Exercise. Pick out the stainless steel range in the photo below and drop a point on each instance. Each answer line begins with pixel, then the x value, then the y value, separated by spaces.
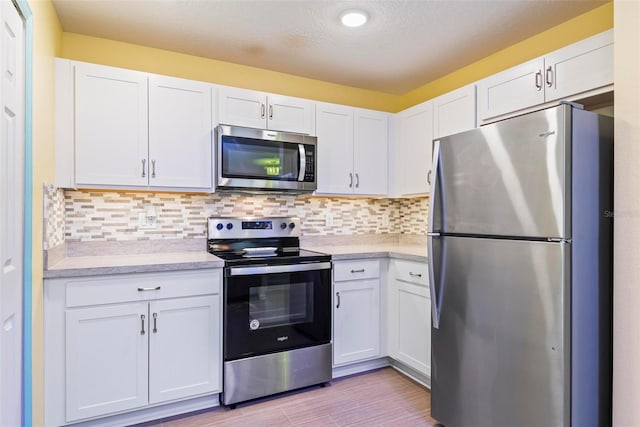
pixel 277 307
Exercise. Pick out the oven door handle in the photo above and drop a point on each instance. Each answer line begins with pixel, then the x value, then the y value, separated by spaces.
pixel 274 269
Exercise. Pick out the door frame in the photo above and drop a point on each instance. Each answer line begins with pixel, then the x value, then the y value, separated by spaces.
pixel 27 322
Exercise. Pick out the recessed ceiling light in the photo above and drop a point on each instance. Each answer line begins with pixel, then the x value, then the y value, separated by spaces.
pixel 354 18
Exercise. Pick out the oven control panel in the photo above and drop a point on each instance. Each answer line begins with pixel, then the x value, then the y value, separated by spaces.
pixel 234 228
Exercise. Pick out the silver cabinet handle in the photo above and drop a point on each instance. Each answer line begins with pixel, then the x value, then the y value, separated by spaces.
pixel 429 177
pixel 415 274
pixel 357 271
pixel 153 168
pixel 357 180
pixel 144 163
pixel 262 110
pixel 142 323
pixel 155 323
pixel 270 111
pixel 338 296
pixel 157 288
pixel 539 80
pixel 549 76
pixel 350 180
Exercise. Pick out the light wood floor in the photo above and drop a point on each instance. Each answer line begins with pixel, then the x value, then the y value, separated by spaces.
pixel 379 398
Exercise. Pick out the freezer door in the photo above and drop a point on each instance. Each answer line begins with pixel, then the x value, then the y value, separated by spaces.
pixel 508 178
pixel 500 352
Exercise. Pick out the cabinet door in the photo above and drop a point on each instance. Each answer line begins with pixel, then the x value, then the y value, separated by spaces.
pixel 334 126
pixel 582 66
pixel 242 107
pixel 289 114
pixel 106 359
pixel 454 112
pixel 184 347
pixel 511 90
pixel 356 321
pixel 414 326
pixel 180 132
pixel 370 152
pixel 415 137
pixel 111 130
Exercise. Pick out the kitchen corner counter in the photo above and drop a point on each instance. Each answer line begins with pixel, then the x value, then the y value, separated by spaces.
pixel 77 266
pixel 408 252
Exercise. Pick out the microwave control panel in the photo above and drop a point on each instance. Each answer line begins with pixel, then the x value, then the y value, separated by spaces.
pixel 310 160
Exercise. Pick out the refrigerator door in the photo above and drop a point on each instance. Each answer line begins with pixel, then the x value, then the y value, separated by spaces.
pixel 508 178
pixel 500 356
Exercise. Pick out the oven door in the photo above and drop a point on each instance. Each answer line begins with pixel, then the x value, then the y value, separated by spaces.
pixel 275 308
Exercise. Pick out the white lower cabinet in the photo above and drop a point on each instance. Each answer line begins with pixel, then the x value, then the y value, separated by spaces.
pixel 356 313
pixel 409 309
pixel 106 364
pixel 124 342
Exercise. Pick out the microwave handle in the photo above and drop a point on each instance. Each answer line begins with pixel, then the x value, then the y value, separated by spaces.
pixel 303 162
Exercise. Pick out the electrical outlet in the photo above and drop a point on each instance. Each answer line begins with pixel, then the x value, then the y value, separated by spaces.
pixel 148 220
pixel 385 220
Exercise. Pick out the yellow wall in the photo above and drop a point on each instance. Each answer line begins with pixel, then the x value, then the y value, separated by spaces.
pixel 108 52
pixel 47 44
pixel 125 55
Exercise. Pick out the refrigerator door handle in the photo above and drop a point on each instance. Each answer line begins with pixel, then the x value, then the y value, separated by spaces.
pixel 435 306
pixel 434 184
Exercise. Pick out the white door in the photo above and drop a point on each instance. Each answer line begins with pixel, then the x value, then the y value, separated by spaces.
pixel 414 327
pixel 454 112
pixel 582 66
pixel 191 325
pixel 288 114
pixel 111 126
pixel 242 107
pixel 356 320
pixel 511 90
pixel 416 133
pixel 334 127
pixel 11 213
pixel 180 133
pixel 370 152
pixel 106 359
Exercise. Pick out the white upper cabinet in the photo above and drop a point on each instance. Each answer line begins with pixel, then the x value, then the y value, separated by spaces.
pixel 454 112
pixel 352 150
pixel 585 65
pixel 121 129
pixel 248 108
pixel 579 68
pixel 335 149
pixel 180 133
pixel 111 128
pixel 370 152
pixel 415 135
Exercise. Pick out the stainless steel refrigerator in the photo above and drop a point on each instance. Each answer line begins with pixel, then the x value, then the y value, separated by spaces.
pixel 520 258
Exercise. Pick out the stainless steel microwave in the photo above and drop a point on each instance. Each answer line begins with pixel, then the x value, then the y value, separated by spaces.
pixel 255 159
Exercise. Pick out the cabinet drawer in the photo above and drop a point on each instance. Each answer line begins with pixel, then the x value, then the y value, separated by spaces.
pixel 411 272
pixel 97 290
pixel 354 270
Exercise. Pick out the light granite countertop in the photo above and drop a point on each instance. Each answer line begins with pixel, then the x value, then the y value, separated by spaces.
pixel 409 252
pixel 146 257
pixel 91 265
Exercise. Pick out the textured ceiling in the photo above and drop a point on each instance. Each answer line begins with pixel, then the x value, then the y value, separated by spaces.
pixel 406 44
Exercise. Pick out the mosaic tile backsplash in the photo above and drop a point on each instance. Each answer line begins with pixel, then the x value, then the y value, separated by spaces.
pixel 113 216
